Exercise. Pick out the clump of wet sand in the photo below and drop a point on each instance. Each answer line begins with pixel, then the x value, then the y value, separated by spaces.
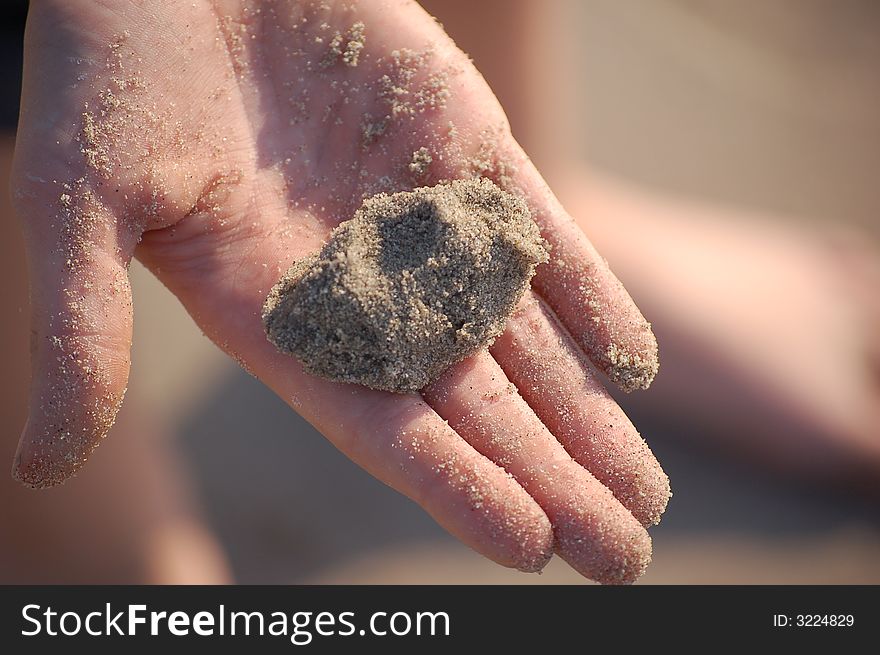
pixel 413 283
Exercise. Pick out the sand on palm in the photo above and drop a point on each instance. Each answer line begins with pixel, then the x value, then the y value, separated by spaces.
pixel 413 283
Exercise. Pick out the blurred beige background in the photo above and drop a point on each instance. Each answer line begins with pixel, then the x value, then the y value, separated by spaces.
pixel 766 105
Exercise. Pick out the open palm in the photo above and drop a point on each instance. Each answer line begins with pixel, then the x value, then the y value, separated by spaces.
pixel 218 142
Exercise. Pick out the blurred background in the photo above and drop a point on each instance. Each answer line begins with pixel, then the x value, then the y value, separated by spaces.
pixel 722 156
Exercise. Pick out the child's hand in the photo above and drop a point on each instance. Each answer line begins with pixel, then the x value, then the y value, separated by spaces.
pixel 217 142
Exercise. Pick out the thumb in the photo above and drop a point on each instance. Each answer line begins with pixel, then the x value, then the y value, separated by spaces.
pixel 81 321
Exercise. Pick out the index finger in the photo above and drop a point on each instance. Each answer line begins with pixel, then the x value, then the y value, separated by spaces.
pixel 577 282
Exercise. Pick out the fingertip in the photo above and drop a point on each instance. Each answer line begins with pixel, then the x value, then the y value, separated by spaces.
pixel 656 500
pixel 631 563
pixel 39 475
pixel 633 364
pixel 527 550
pixel 618 555
pixel 532 542
pixel 496 518
pixel 638 482
pixel 536 564
pixel 40 465
pixel 78 385
pixel 62 431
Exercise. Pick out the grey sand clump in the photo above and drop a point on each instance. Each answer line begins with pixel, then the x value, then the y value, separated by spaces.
pixel 413 283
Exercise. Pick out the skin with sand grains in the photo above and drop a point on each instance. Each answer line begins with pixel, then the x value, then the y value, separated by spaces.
pixel 279 119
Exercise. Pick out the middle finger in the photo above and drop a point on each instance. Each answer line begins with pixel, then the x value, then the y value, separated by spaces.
pixel 593 532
